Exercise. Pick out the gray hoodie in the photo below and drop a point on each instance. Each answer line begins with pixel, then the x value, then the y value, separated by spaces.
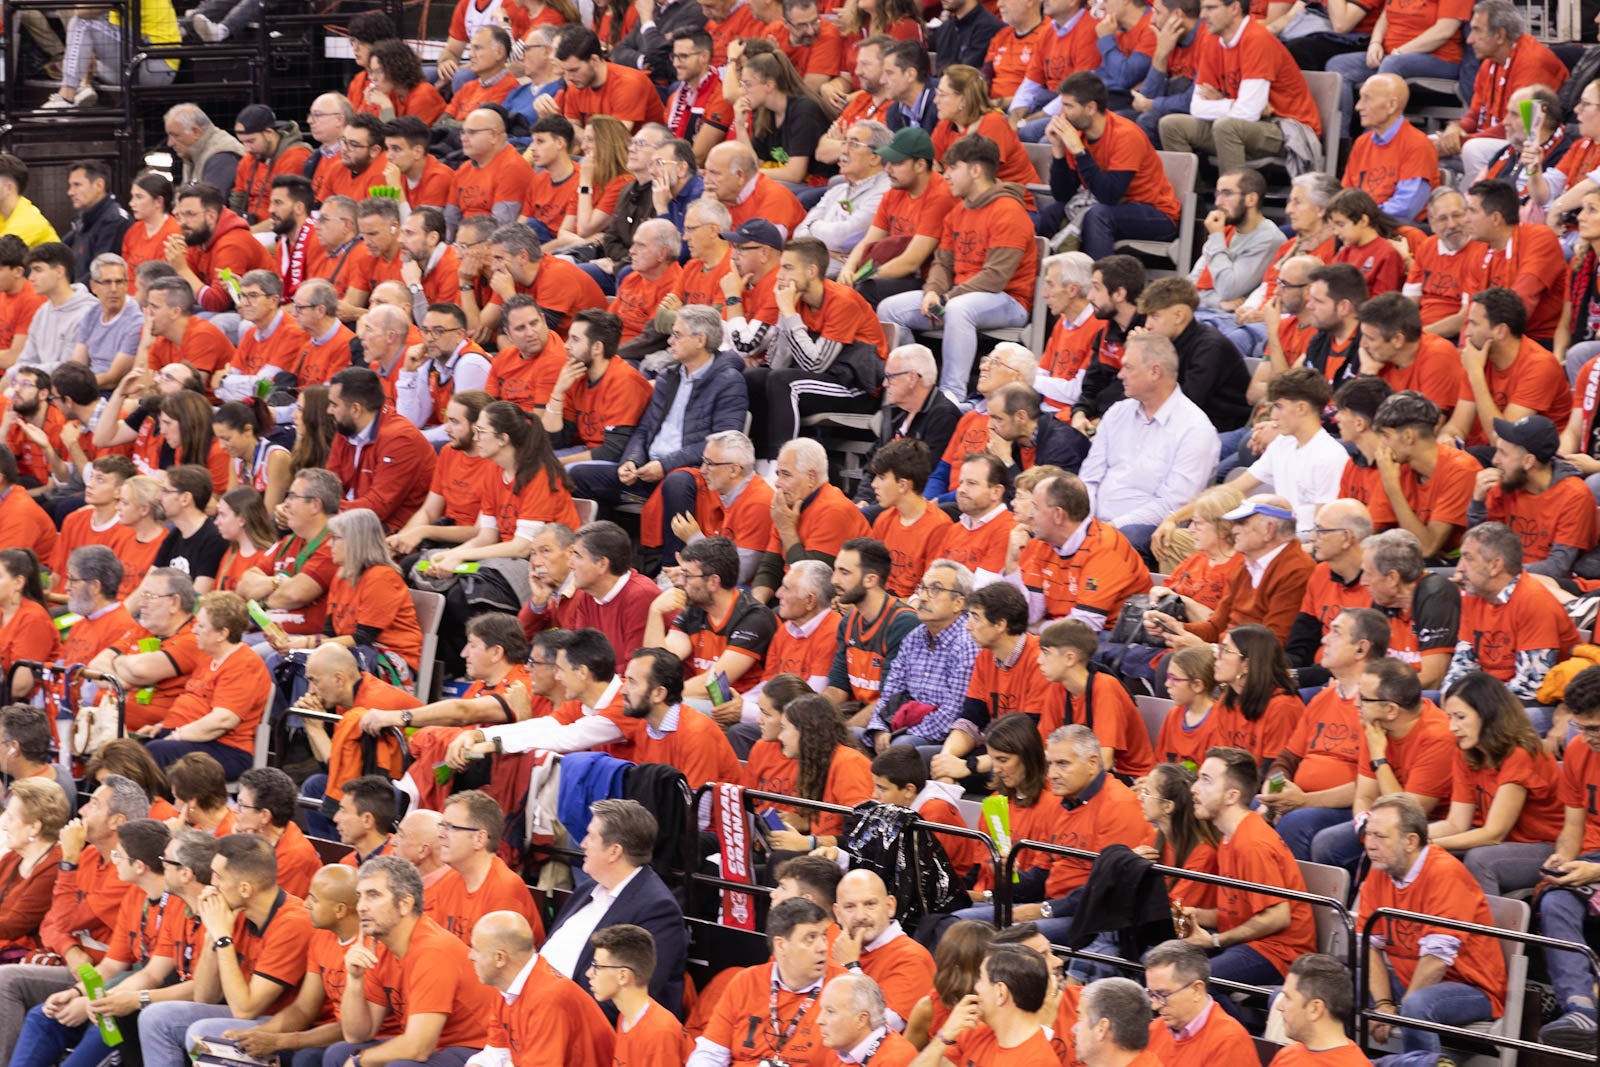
pixel 53 333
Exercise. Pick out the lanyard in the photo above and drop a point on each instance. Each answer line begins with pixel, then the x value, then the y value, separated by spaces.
pixel 772 1008
pixel 305 553
pixel 144 918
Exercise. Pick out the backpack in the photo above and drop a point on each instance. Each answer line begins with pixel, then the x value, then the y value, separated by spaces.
pixel 883 838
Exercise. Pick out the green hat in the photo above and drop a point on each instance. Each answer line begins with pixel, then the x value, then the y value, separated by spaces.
pixel 911 142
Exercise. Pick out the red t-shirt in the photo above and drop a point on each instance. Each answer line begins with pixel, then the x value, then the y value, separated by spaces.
pixel 237 683
pixel 1541 815
pixel 435 977
pixel 1255 853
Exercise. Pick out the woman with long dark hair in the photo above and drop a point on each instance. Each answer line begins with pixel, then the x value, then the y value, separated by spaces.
pixel 957 962
pixel 1366 240
pixel 150 204
pixel 1505 811
pixel 1182 839
pixel 826 769
pixel 128 757
pixel 778 116
pixel 1260 706
pixel 184 435
pixel 260 463
pixel 766 769
pixel 244 523
pixel 313 430
pixel 26 629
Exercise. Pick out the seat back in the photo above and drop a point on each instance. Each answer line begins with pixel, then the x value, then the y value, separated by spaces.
pixel 1040 156
pixel 1324 86
pixel 1326 881
pixel 971 812
pixel 430 613
pixel 1183 169
pixel 1154 712
pixel 588 510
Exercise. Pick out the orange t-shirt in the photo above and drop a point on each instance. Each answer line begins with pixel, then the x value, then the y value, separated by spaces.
pixel 1265 737
pixel 435 977
pixel 204 346
pixel 342 181
pixel 1380 264
pixel 699 284
pixel 911 546
pixel 1407 19
pixel 983 548
pixel 638 298
pixel 655 1039
pixel 618 399
pixel 1445 496
pixel 1098 577
pixel 1001 223
pixel 771 201
pixel 550 201
pixel 281 348
pixel 1112 816
pixel 1295 1054
pixel 827 520
pixel 1423 760
pixel 16 309
pixel 237 683
pixel 1258 56
pixel 747 997
pixel 29 634
pixel 1220 1039
pixel 1125 147
pixel 1327 741
pixel 1444 887
pixel 1058 54
pixel 1529 620
pixel 501 890
pixel 740 23
pixel 1017 686
pixel 1580 788
pixel 1116 722
pixel 504 179
pixel 321 360
pixel 1015 164
pixel 473 95
pixel 553 1022
pixel 1435 372
pixel 433 188
pixel 517 514
pixel 902 215
pixel 844 316
pixel 1199 579
pixel 561 288
pixel 1533 265
pixel 1535 379
pixel 461 479
pixel 379 599
pixel 1255 853
pixel 1560 515
pixel 1541 815
pixel 978 1046
pixel 1380 168
pixel 627 95
pixel 1445 277
pixel 138 246
pixel 526 381
pixel 698 748
pixel 1008 59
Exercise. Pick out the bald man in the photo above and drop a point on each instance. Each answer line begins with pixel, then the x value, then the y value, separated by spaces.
pixel 495 178
pixel 733 175
pixel 853 1021
pixel 1394 161
pixel 540 1016
pixel 331 903
pixel 417 840
pixel 335 684
pixel 872 943
pixel 1335 583
pixel 329 113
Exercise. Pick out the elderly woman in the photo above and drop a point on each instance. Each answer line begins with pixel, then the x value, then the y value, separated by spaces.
pixel 1307 213
pixel 369 605
pixel 223 699
pixel 30 826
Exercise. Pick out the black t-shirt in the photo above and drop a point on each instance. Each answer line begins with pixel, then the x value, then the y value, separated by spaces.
pixel 750 626
pixel 198 556
pixel 804 123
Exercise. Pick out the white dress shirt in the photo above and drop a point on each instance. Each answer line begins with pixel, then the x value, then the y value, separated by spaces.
pixel 566 943
pixel 1141 468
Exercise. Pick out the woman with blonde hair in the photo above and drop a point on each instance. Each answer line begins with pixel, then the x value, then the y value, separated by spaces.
pixel 139 509
pixel 1200 577
pixel 30 827
pixel 962 101
pixel 778 116
pixel 603 168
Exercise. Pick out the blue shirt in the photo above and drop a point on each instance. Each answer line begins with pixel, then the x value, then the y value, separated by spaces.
pixel 933 670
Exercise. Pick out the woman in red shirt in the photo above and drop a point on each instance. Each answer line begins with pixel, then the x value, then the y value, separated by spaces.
pixel 962 101
pixel 149 201
pixel 32 821
pixel 395 85
pixel 243 522
pixel 1505 810
pixel 138 509
pixel 828 769
pixel 1260 705
pixel 369 606
pixel 1201 579
pixel 1192 685
pixel 26 629
pixel 956 963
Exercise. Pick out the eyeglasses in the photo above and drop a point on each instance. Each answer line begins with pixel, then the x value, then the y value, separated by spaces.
pixel 298 496
pixel 686 575
pixel 711 464
pixel 1176 679
pixel 108 281
pixel 1320 530
pixel 851 142
pixel 1371 700
pixel 302 307
pixel 897 374
pixel 926 589
pixel 441 331
pixel 253 295
pixel 545 663
pixel 1159 999
pixel 1587 729
pixel 1292 285
pixel 593 966
pixel 1225 650
pixel 355 146
pixel 322 114
pixel 452 828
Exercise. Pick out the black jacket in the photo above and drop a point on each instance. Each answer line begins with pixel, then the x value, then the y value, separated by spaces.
pixel 964 40
pixel 646 902
pixel 1123 896
pixel 634 206
pixel 932 425
pixel 1212 374
pixel 651 52
pixel 95 232
pixel 1101 386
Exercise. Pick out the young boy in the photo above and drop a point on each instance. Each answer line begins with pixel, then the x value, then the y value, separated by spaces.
pixel 900 777
pixel 648 1035
pixel 910 527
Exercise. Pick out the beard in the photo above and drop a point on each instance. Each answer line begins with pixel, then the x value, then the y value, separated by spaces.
pixel 27 408
pixel 1105 314
pixel 1510 481
pixel 284 227
pixel 632 712
pixel 197 238
pixel 851 596
pixel 347 427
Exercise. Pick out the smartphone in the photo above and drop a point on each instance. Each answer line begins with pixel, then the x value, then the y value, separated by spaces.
pixel 773 820
pixel 1552 872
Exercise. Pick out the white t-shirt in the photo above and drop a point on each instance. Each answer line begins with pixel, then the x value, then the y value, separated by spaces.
pixel 1305 475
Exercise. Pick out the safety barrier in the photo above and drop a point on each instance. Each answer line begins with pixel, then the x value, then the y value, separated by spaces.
pixel 1364 1014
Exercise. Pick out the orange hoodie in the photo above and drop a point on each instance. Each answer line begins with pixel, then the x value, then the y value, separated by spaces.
pixel 233 246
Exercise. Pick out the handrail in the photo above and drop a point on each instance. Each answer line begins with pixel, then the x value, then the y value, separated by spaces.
pixel 1365 1014
pixel 1165 870
pixel 1002 889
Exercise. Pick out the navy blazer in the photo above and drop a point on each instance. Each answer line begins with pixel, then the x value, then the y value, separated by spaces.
pixel 646 902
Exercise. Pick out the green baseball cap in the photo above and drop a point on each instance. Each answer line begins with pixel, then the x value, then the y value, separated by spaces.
pixel 911 142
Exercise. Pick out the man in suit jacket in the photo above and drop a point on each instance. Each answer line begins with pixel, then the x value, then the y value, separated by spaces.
pixel 617 848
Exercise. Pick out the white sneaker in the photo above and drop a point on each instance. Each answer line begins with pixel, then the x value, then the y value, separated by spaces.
pixel 207 30
pixel 87 97
pixel 58 103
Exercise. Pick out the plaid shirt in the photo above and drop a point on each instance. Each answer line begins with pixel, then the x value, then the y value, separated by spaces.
pixel 933 670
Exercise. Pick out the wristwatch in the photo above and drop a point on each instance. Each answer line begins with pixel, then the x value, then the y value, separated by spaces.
pixel 1046 911
pixel 1379 761
pixel 222 942
pixel 144 998
pixel 405 718
pixel 63 865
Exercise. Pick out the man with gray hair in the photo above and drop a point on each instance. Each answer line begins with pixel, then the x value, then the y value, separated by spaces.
pixel 703 395
pixel 656 273
pixel 1194 1029
pixel 1424 608
pixel 844 214
pixel 164 606
pixel 107 342
pixel 1113 1027
pixel 1510 58
pixel 914 407
pixel 725 487
pixel 1155 450
pixel 804 644
pixel 1068 277
pixel 271 343
pixel 1335 584
pixel 520 266
pixel 1511 628
pixel 209 153
pixel 850 1020
pixel 811 517
pixel 933 659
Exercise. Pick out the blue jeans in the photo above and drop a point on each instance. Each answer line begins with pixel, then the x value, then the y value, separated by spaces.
pixel 1451 1003
pixel 606 282
pixel 162 1028
pixel 1229 456
pixel 1337 846
pixel 1299 828
pixel 450 1056
pixel 1243 964
pixel 1561 915
pixel 1106 224
pixel 234 761
pixel 43 1040
pixel 1352 67
pixel 1033 132
pixel 963 317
